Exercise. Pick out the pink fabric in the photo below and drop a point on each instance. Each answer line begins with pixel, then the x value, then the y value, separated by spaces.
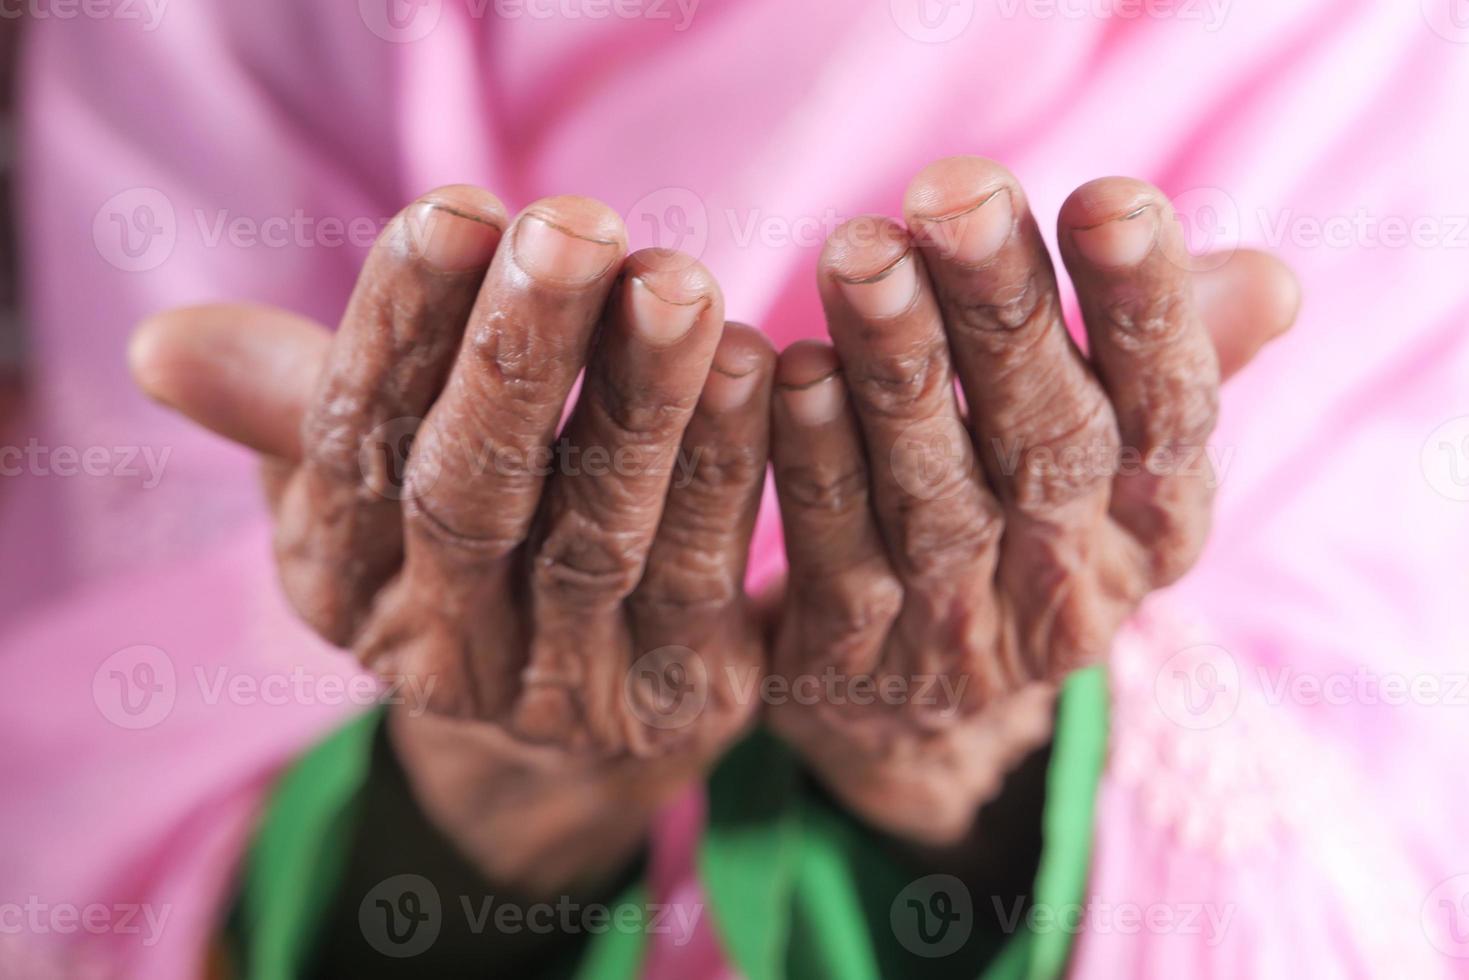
pixel 1330 834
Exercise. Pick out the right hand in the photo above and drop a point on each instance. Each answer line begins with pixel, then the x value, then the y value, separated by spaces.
pixel 549 590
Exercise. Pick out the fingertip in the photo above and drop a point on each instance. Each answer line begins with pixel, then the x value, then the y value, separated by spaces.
pixel 455 228
pixel 952 186
pixel 865 248
pixel 809 378
pixel 568 239
pixel 744 362
pixel 805 362
pixel 668 294
pixel 1245 302
pixel 470 201
pixel 1105 199
pixel 1113 222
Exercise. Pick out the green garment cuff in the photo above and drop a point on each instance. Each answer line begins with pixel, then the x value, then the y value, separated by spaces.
pixel 796 887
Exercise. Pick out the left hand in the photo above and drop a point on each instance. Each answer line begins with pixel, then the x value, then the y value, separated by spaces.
pixel 949 566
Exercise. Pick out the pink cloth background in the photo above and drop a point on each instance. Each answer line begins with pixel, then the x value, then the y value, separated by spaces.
pixel 1332 835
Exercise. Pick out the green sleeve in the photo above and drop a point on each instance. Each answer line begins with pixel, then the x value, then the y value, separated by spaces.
pixel 796 887
pixel 297 862
pixel 799 889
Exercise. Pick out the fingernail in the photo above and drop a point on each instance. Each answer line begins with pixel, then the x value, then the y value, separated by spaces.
pixel 725 391
pixel 1121 242
pixel 551 251
pixel 452 240
pixel 975 234
pixel 888 293
pixel 659 321
pixel 816 403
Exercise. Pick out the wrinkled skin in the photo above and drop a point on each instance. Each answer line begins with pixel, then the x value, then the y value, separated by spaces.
pixel 546 598
pixel 565 604
pixel 997 544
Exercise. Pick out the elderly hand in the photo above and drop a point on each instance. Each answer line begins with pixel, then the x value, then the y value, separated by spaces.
pixel 951 560
pixel 431 519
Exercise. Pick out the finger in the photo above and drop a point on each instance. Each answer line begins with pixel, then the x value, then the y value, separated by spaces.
pixel 475 477
pixel 939 521
pixel 1126 256
pixel 696 568
pixel 245 372
pixel 1245 300
pixel 1032 399
pixel 692 596
pixel 604 503
pixel 843 595
pixel 339 535
pixel 1042 422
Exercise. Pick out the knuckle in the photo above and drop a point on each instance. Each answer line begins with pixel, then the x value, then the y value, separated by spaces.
pixel 825 490
pixel 898 385
pixel 716 471
pixel 685 586
pixel 1172 526
pixel 527 372
pixel 855 606
pixel 1142 320
pixel 644 416
pixel 1010 314
pixel 1070 456
pixel 935 538
pixel 584 563
pixel 488 542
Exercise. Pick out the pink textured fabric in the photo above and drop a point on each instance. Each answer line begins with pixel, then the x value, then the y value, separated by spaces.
pixel 1280 833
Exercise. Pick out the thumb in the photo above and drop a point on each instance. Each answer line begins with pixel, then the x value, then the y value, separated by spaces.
pixel 1248 301
pixel 244 371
